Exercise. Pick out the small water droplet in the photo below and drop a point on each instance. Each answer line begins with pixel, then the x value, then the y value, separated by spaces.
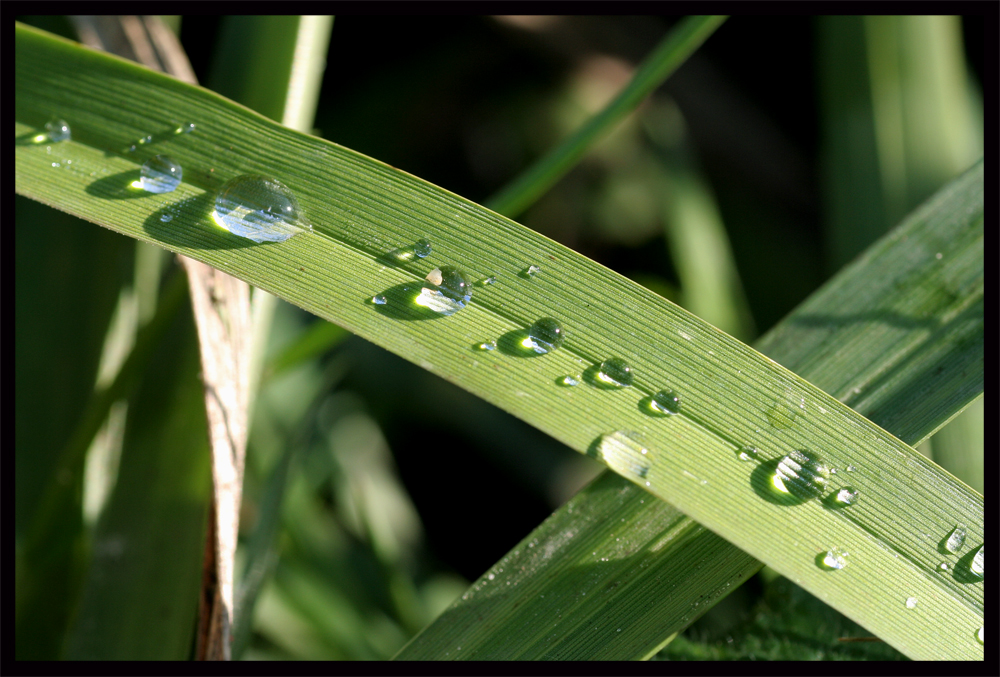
pixel 850 468
pixel 976 566
pixel 146 139
pixel 979 635
pixel 801 473
pixel 781 416
pixel 531 271
pixel 835 558
pixel 185 129
pixel 159 174
pixel 166 217
pixel 570 380
pixel 624 452
pixel 665 402
pixel 488 345
pixel 422 248
pixel 748 453
pixel 379 300
pixel 450 293
pixel 492 279
pixel 544 336
pixel 56 164
pixel 615 372
pixel 911 602
pixel 57 130
pixel 943 566
pixel 491 577
pixel 259 209
pixel 847 496
pixel 956 539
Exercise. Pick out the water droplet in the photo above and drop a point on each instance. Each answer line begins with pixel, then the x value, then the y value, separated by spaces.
pixel 422 248
pixel 531 271
pixel 185 129
pixel 488 345
pixel 911 602
pixel 850 468
pixel 615 372
pixel 748 453
pixel 492 279
pixel 570 380
pixel 379 300
pixel 259 209
pixel 665 402
pixel 956 539
pixel 943 566
pixel 544 336
pixel 146 139
pixel 166 217
pixel 159 174
pixel 979 635
pixel 976 566
pixel 835 558
pixel 781 416
pixel 58 130
pixel 491 577
pixel 450 293
pixel 801 474
pixel 56 164
pixel 847 496
pixel 625 453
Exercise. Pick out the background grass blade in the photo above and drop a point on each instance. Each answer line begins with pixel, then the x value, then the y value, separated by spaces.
pixel 726 387
pixel 647 570
pixel 664 60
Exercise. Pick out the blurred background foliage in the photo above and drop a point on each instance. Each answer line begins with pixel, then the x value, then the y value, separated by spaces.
pixel 777 153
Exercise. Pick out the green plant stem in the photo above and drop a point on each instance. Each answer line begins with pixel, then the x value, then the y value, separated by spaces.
pixel 679 44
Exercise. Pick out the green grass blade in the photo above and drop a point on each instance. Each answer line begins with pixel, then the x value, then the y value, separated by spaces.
pixel 361 209
pixel 138 603
pixel 646 570
pixel 679 44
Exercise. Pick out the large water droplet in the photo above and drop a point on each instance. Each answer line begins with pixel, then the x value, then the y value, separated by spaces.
pixel 625 453
pixel 911 602
pixel 544 336
pixel 802 474
pixel 259 209
pixel 665 402
pixel 58 130
pixel 976 566
pixel 451 291
pixel 956 539
pixel 615 372
pixel 835 558
pixel 159 174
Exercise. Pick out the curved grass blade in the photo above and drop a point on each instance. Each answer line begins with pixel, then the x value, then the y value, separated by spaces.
pixel 362 209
